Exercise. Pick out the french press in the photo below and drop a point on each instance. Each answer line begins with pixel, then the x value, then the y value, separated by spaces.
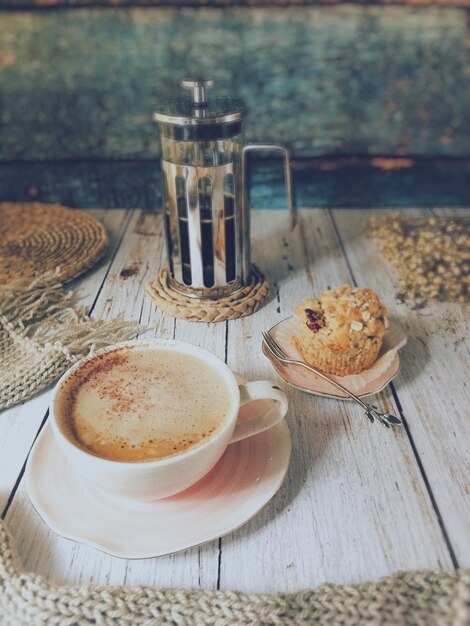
pixel 205 198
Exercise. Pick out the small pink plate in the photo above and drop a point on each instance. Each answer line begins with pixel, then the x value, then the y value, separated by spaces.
pixel 367 383
pixel 244 480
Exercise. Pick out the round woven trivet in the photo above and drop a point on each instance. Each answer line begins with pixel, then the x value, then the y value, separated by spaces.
pixel 245 302
pixel 36 239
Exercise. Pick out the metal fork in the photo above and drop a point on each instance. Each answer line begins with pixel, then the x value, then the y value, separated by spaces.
pixel 371 412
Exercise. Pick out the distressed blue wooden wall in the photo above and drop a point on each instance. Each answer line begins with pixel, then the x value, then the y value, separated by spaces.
pixel 372 100
pixel 82 83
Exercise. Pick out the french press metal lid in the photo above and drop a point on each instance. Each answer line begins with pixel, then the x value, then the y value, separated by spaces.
pixel 205 200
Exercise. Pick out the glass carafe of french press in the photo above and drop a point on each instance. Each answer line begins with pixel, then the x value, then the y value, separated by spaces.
pixel 205 200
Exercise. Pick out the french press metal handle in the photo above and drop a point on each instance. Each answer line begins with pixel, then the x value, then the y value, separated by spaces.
pixel 269 147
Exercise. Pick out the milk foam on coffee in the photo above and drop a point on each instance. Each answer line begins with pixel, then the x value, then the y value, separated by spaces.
pixel 143 403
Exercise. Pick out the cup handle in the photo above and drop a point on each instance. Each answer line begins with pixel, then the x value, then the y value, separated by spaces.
pixel 259 390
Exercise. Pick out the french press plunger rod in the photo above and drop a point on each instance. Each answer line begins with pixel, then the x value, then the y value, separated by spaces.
pixel 205 200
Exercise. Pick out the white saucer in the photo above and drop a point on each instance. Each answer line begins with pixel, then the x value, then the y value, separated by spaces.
pixel 367 383
pixel 244 480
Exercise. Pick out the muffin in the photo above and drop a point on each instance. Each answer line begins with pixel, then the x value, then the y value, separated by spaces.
pixel 341 332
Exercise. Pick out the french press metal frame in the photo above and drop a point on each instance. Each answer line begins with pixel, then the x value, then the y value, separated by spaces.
pixel 208 243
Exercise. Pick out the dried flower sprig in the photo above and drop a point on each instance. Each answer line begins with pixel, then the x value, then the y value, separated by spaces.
pixel 431 257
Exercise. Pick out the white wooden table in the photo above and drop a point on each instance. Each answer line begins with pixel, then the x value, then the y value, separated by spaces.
pixel 359 501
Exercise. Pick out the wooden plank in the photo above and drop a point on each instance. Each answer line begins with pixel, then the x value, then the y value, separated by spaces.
pixel 335 182
pixel 432 384
pixel 60 560
pixel 354 505
pixel 341 80
pixel 20 424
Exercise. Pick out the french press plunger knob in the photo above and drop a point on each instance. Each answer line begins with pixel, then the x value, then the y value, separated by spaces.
pixel 198 85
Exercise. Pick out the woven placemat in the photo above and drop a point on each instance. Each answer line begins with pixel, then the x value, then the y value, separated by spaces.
pixel 420 598
pixel 244 302
pixel 36 239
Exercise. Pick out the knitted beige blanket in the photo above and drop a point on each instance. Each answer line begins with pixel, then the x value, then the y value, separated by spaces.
pixel 42 335
pixel 425 598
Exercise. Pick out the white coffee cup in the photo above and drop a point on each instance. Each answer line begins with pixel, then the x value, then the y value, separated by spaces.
pixel 160 478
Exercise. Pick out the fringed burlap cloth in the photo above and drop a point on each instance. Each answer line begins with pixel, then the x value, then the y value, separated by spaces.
pixel 404 599
pixel 42 335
